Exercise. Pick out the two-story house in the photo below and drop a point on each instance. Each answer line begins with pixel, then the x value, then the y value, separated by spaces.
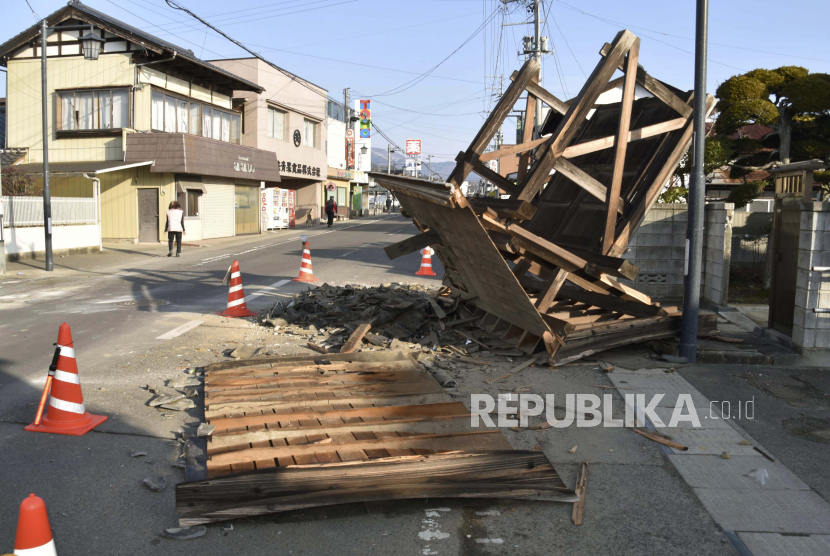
pixel 143 125
pixel 287 116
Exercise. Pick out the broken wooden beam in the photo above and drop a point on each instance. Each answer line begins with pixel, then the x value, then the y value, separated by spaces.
pixel 412 244
pixel 355 339
pixel 504 208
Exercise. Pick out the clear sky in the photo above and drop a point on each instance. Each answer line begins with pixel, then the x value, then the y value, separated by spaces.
pixel 382 48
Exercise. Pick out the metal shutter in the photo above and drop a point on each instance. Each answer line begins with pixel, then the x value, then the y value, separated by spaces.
pixel 218 208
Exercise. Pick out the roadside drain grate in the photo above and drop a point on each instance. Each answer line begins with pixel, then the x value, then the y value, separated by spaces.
pixel 143 303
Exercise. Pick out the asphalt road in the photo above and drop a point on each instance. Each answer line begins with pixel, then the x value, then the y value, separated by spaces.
pixel 636 504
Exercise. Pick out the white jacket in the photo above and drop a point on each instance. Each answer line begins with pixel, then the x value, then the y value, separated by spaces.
pixel 174 220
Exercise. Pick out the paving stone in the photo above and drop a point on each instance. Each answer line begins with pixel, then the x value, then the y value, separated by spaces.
pixel 774 544
pixel 710 442
pixel 704 417
pixel 785 511
pixel 670 385
pixel 714 472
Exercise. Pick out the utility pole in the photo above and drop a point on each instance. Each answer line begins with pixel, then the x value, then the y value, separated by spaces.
pixel 694 232
pixel 429 167
pixel 47 198
pixel 389 151
pixel 537 53
pixel 348 123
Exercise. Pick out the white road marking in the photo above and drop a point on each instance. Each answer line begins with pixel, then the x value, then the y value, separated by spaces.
pixel 268 289
pixel 293 240
pixel 180 330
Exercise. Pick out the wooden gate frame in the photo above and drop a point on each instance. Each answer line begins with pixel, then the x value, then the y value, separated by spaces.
pixel 594 299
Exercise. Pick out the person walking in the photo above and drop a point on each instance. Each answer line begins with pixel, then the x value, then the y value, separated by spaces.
pixel 389 204
pixel 331 209
pixel 174 228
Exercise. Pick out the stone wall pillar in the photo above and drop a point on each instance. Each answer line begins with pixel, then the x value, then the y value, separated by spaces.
pixel 717 249
pixel 811 325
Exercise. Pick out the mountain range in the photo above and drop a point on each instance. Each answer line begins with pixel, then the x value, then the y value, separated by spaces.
pixel 443 169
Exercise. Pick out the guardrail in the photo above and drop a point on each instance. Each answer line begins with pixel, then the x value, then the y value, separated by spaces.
pixel 20 212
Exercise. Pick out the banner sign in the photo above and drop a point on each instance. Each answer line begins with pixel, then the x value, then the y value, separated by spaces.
pixel 349 148
pixel 365 114
pixel 413 146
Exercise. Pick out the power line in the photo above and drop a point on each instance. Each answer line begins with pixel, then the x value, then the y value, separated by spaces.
pixel 413 82
pixel 33 11
pixel 568 45
pixel 689 38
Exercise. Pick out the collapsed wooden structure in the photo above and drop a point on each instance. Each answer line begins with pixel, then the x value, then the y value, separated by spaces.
pixel 315 430
pixel 584 185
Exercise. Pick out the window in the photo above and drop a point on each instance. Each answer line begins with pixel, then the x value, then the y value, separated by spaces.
pixel 94 110
pixel 172 114
pixel 310 135
pixel 276 124
pixel 193 196
pixel 189 201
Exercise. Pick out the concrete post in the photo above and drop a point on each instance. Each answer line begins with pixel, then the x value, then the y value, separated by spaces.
pixel 811 318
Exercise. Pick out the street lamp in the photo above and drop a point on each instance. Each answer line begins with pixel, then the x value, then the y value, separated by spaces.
pixel 363 150
pixel 91 47
pixel 389 151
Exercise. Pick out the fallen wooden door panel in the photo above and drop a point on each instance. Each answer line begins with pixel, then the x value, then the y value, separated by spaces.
pixel 524 475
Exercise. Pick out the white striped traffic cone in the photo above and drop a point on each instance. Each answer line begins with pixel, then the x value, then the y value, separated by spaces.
pixel 236 296
pixel 426 263
pixel 34 535
pixel 306 274
pixel 67 414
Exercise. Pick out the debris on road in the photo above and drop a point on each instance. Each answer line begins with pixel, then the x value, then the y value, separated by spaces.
pixel 573 450
pixel 581 490
pixel 137 454
pixel 156 484
pixel 185 533
pixel 725 455
pixel 543 269
pixel 662 439
pixel 337 428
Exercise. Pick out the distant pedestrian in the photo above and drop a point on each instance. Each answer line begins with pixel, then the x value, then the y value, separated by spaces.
pixel 174 228
pixel 331 209
pixel 389 204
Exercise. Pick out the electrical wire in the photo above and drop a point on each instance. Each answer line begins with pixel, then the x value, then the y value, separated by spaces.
pixel 568 45
pixel 409 84
pixel 33 11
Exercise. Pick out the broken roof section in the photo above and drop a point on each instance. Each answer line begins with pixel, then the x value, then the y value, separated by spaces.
pixel 77 12
pixel 545 263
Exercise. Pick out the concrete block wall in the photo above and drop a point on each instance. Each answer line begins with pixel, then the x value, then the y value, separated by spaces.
pixel 658 248
pixel 811 329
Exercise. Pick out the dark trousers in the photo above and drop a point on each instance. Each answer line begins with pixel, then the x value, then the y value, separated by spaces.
pixel 178 237
pixel 331 218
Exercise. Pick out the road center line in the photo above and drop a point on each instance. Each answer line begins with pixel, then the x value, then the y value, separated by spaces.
pixel 268 289
pixel 180 330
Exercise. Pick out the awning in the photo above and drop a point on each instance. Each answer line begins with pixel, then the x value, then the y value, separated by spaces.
pixel 183 183
pixel 95 167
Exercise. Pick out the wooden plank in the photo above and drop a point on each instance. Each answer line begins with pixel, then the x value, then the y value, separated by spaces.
pixel 411 245
pixel 613 84
pixel 634 135
pixel 504 208
pixel 417 387
pixel 323 402
pixel 536 245
pixel 452 441
pixel 580 490
pixel 388 412
pixel 510 474
pixel 656 88
pixel 545 96
pixel 629 224
pixel 494 120
pixel 551 290
pixel 612 203
pixel 323 377
pixel 485 172
pixel 611 302
pixel 217 369
pixel 576 114
pixel 421 425
pixel 528 131
pixel 355 339
pixel 508 150
pixel 583 180
pixel 626 290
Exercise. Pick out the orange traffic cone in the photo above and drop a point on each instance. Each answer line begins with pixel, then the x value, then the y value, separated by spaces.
pixel 236 297
pixel 67 414
pixel 426 263
pixel 306 274
pixel 34 535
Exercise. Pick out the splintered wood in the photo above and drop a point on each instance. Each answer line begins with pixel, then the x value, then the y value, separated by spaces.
pixel 299 432
pixel 542 268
